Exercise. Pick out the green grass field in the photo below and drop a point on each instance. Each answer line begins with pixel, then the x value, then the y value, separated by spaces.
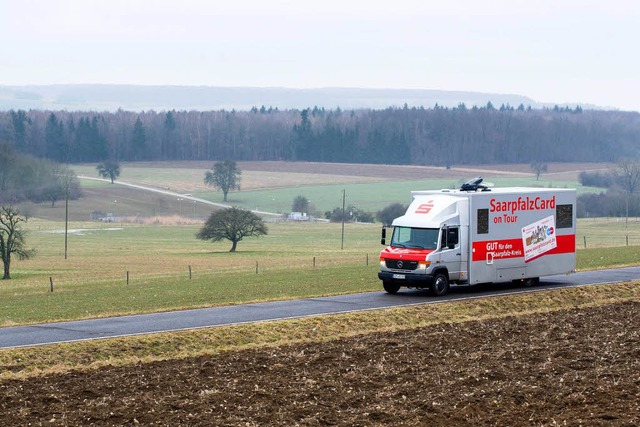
pixel 370 197
pixel 274 191
pixel 92 281
pixel 294 260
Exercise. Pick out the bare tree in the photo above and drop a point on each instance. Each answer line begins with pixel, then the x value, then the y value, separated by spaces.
pixel 109 169
pixel 628 174
pixel 232 224
pixel 538 168
pixel 12 238
pixel 628 177
pixel 225 176
pixel 65 185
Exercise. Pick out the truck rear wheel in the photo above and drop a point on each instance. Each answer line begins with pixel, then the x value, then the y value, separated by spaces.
pixel 390 287
pixel 440 285
pixel 532 281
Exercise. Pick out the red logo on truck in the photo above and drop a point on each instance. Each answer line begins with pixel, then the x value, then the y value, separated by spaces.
pixel 523 204
pixel 425 208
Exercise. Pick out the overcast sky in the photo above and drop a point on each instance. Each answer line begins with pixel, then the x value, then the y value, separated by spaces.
pixel 577 51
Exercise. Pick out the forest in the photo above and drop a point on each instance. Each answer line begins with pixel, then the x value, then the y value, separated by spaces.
pixel 421 136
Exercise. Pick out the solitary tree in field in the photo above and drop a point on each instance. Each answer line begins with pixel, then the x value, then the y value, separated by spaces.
pixel 538 168
pixel 225 176
pixel 300 204
pixel 232 224
pixel 109 169
pixel 628 177
pixel 12 238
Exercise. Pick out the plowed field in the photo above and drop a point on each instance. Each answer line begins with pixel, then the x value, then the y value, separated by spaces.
pixel 574 367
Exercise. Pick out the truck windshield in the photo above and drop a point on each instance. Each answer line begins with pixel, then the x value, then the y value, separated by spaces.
pixel 418 238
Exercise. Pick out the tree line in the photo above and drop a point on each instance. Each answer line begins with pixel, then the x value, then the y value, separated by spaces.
pixel 423 136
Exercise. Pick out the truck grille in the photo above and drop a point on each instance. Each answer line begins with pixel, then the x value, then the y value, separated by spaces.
pixel 401 264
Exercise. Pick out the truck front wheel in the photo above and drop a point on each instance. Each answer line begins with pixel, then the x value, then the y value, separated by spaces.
pixel 440 285
pixel 390 287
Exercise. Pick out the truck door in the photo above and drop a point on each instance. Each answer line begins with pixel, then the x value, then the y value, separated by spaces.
pixel 451 253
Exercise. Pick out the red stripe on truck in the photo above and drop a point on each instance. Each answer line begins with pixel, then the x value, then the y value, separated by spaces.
pixel 405 254
pixel 513 248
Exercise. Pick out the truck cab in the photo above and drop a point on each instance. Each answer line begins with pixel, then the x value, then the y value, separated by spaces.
pixel 427 248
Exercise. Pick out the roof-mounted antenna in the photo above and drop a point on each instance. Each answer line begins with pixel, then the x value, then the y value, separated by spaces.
pixel 474 184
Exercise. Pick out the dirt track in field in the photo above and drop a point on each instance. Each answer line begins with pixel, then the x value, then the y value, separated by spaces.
pixel 577 367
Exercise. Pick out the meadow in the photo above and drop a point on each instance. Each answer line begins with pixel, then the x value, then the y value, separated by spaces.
pixel 272 186
pixel 561 356
pixel 127 267
pixel 116 269
pixel 293 260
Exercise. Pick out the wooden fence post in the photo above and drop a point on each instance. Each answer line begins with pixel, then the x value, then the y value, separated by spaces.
pixel 190 273
pixel 51 283
pixel 127 277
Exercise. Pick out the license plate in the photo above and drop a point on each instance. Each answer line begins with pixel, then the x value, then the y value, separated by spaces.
pixel 398 276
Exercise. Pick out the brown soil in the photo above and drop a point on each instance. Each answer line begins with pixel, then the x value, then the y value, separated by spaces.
pixel 387 172
pixel 576 367
pixel 398 172
pixel 409 172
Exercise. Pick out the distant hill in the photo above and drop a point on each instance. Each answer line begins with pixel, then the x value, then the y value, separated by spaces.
pixel 106 97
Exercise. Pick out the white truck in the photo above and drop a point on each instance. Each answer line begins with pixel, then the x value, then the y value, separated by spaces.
pixel 480 235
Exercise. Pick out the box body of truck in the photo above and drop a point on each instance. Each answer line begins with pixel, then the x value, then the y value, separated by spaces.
pixel 471 237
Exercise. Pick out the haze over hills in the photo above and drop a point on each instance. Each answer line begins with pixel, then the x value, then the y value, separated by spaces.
pixel 109 97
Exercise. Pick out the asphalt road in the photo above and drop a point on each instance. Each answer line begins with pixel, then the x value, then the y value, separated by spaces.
pixel 50 333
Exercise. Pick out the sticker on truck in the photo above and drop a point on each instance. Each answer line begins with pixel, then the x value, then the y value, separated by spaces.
pixel 539 238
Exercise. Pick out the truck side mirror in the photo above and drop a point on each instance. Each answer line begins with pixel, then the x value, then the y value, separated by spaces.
pixel 384 236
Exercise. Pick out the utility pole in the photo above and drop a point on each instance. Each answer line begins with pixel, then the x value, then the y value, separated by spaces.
pixel 344 195
pixel 66 219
